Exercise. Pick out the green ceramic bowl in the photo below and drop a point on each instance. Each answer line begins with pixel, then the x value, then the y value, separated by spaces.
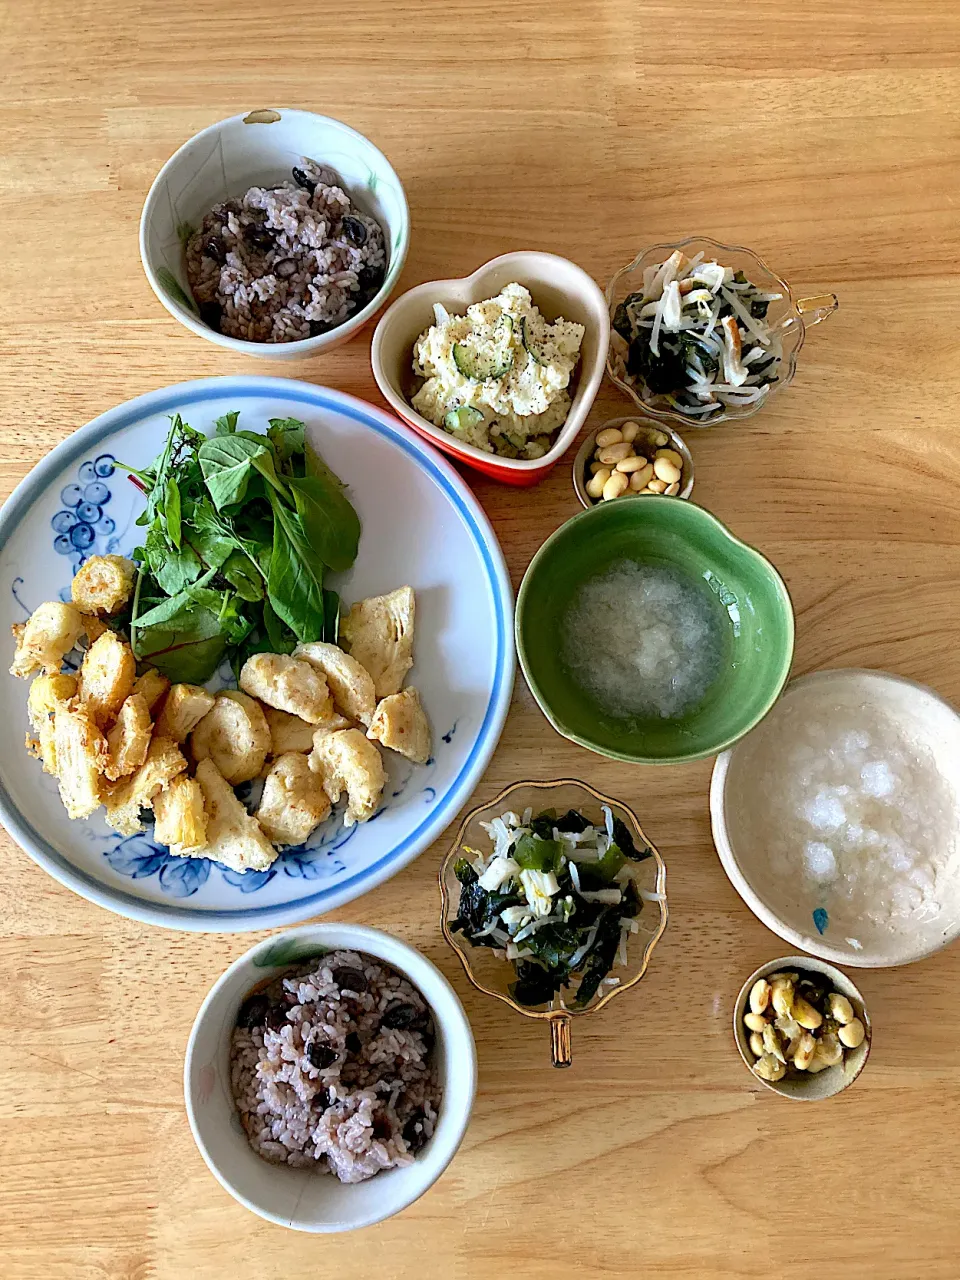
pixel 681 535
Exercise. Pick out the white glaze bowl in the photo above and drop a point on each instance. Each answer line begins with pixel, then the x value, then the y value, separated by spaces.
pixel 302 1198
pixel 821 924
pixel 260 149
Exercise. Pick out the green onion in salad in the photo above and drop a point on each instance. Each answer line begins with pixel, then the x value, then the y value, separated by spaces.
pixel 695 338
pixel 556 897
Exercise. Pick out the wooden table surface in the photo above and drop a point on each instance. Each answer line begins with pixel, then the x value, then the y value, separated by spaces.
pixel 824 134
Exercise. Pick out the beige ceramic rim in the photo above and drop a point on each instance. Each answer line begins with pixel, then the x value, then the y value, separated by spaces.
pixel 587 446
pixel 839 1075
pixel 559 1019
pixel 730 863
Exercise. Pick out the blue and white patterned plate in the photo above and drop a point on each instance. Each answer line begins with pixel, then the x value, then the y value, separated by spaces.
pixel 420 526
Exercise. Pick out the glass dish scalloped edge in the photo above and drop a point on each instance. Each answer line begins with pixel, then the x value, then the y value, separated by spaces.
pixel 492 975
pixel 791 315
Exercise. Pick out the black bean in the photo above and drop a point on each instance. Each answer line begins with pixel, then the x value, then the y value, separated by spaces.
pixel 214 248
pixel 276 1017
pixel 354 230
pixel 211 313
pixel 253 1012
pixel 285 268
pixel 399 1017
pixel 322 1099
pixel 301 179
pixel 382 1128
pixel 370 279
pixel 350 980
pixel 321 1055
pixel 353 1042
pixel 259 237
pixel 413 1132
pixel 317 327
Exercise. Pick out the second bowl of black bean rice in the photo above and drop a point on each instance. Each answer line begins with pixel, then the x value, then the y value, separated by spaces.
pixel 326 1050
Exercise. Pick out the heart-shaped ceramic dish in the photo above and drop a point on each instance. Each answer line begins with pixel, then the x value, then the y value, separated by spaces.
pixel 559 288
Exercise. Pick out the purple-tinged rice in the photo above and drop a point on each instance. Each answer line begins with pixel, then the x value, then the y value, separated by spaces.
pixel 333 1077
pixel 288 262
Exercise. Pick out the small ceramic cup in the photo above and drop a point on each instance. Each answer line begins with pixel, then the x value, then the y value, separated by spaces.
pixel 802 1087
pixel 302 1198
pixel 558 287
pixel 260 149
pixel 651 432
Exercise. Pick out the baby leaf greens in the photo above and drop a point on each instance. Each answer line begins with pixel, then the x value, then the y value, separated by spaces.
pixel 241 531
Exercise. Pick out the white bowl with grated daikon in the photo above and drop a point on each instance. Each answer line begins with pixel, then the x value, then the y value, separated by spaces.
pixel 837 818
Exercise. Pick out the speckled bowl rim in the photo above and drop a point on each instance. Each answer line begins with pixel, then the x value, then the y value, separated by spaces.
pixel 846 986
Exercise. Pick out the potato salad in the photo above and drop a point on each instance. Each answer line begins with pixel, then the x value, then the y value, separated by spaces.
pixel 497 377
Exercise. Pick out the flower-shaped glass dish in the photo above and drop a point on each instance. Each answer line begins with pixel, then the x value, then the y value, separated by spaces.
pixel 789 317
pixel 491 973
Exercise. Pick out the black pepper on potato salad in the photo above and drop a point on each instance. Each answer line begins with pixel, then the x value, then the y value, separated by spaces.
pixel 497 377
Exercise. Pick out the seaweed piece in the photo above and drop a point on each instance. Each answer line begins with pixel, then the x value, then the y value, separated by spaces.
pixel 535 985
pixel 478 908
pixel 599 961
pixel 662 374
pixel 573 821
pixel 536 853
pixel 542 825
pixel 625 843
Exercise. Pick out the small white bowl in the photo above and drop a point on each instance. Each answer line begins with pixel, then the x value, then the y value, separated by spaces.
pixel 738 779
pixel 302 1198
pixel 261 148
pixel 559 288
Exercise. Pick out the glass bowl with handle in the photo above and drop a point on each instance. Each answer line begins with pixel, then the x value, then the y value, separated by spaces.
pixel 788 317
pixel 494 975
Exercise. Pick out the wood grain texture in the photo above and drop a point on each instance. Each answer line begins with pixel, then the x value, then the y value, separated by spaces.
pixel 824 135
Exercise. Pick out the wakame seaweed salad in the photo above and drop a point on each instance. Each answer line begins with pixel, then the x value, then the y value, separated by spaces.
pixel 696 338
pixel 241 531
pixel 556 896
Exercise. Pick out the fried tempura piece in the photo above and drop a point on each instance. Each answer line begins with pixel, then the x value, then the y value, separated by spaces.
pixel 46 694
pixel 181 818
pixel 234 735
pixel 378 632
pixel 346 761
pixel 350 683
pixel 151 686
pixel 400 723
pixel 106 677
pixel 288 684
pixel 288 733
pixel 125 799
pixel 47 636
pixel 129 739
pixel 293 801
pixel 80 755
pixel 183 709
pixel 103 584
pixel 234 838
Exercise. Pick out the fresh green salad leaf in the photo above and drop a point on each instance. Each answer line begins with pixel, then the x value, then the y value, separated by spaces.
pixel 241 531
